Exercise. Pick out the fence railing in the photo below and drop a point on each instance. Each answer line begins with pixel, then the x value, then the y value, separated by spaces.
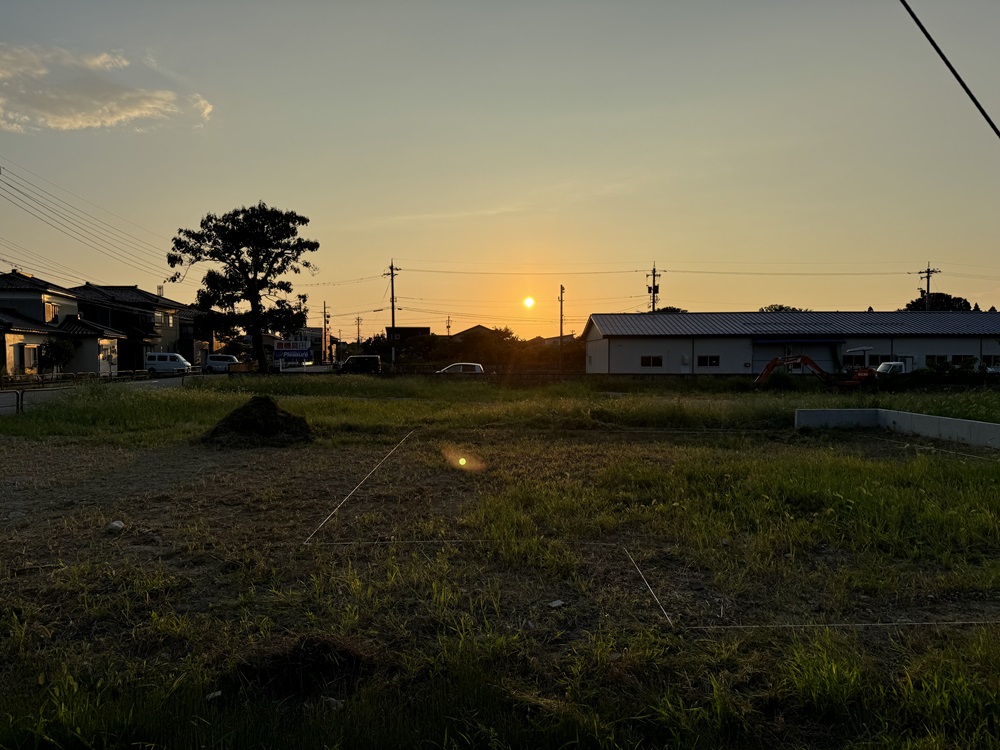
pixel 14 387
pixel 57 379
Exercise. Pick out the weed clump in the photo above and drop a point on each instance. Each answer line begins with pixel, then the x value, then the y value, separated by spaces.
pixel 259 422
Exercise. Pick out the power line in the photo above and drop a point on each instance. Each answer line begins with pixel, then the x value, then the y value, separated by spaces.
pixel 520 273
pixel 73 228
pixel 12 253
pixel 142 245
pixel 951 67
pixel 348 281
pixel 89 203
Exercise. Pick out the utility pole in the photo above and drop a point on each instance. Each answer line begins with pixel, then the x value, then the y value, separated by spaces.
pixel 326 337
pixel 447 324
pixel 653 289
pixel 392 305
pixel 562 292
pixel 926 274
pixel 358 321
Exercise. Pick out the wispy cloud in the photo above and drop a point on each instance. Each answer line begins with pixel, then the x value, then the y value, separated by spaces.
pixel 54 89
pixel 543 199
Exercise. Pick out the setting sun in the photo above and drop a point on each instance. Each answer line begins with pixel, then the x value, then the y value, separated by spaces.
pixel 529 302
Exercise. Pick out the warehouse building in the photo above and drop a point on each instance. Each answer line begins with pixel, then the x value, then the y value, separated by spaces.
pixel 743 343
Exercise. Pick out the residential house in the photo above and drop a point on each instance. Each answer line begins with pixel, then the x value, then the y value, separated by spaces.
pixel 151 322
pixel 33 311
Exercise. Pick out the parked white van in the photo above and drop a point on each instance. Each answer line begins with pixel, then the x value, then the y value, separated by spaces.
pixel 219 362
pixel 164 363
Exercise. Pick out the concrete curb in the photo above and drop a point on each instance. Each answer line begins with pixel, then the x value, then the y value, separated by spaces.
pixel 966 431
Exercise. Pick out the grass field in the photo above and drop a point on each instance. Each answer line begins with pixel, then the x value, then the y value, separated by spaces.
pixel 466 565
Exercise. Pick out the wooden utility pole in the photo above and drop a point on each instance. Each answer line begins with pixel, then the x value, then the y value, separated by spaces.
pixel 653 289
pixel 926 274
pixel 562 292
pixel 392 305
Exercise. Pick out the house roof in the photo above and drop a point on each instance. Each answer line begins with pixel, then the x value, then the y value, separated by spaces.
pixel 17 281
pixel 12 320
pixel 77 326
pixel 475 328
pixel 778 325
pixel 124 295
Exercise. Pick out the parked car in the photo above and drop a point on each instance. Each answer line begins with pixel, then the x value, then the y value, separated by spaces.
pixel 219 362
pixel 361 364
pixel 165 363
pixel 462 368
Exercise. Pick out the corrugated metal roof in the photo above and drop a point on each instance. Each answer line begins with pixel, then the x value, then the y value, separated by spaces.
pixel 797 324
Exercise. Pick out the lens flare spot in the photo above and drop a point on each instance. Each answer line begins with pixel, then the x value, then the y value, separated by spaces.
pixel 460 458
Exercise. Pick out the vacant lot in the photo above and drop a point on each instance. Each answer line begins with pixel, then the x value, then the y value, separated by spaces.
pixel 463 565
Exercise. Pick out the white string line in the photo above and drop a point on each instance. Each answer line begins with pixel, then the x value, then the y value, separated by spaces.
pixel 935 449
pixel 334 511
pixel 649 587
pixel 895 624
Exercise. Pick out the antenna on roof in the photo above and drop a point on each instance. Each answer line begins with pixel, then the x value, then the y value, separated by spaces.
pixel 159 290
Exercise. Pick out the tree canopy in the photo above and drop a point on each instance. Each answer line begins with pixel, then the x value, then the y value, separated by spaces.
pixel 939 301
pixel 249 250
pixel 783 308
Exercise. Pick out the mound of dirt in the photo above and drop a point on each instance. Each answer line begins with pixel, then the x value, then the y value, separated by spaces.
pixel 303 667
pixel 259 422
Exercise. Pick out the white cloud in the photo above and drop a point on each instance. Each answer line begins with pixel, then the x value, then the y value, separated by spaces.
pixel 105 61
pixel 201 105
pixel 53 89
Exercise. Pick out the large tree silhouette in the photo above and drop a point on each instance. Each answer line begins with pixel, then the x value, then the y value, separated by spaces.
pixel 938 301
pixel 249 250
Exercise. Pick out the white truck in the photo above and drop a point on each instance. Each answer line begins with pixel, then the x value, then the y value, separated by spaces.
pixel 888 369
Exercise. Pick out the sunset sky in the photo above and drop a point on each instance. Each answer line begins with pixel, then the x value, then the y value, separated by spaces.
pixel 804 152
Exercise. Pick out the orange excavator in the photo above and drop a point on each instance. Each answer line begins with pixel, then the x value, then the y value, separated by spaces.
pixel 861 377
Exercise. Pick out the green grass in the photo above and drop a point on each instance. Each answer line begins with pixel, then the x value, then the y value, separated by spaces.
pixel 509 603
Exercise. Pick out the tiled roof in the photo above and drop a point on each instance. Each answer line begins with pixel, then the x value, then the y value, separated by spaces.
pixel 15 280
pixel 797 324
pixel 14 321
pixel 123 295
pixel 79 327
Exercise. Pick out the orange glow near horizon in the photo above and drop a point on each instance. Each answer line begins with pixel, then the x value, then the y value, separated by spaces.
pixel 529 302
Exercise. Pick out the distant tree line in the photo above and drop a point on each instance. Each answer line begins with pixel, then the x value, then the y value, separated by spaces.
pixel 496 348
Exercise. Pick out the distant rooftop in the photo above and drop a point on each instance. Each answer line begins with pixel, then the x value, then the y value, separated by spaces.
pixel 782 324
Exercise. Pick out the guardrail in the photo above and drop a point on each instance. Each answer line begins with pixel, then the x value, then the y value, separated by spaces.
pixel 13 388
pixel 18 400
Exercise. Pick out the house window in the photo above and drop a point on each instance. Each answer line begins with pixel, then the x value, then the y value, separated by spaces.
pixel 854 360
pixel 959 359
pixel 991 360
pixel 158 319
pixel 650 361
pixel 876 359
pixel 51 313
pixel 708 360
pixel 936 360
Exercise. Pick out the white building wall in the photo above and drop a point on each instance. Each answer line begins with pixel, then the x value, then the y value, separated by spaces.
pixel 597 355
pixel 671 356
pixel 721 356
pixel 680 355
